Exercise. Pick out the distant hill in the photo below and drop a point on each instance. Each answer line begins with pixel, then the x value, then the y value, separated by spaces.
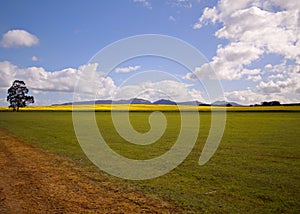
pixel 224 103
pixel 132 101
pixel 102 102
pixel 192 103
pixel 165 102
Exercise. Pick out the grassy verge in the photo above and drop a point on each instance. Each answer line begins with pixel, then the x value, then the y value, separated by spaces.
pixel 255 169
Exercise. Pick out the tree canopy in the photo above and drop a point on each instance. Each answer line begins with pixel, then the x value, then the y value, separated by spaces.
pixel 17 95
pixel 272 103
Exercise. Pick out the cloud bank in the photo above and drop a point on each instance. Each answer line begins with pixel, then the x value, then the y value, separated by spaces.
pixel 61 85
pixel 92 85
pixel 254 30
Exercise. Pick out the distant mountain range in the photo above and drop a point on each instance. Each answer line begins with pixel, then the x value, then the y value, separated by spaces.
pixel 143 101
pixel 224 103
pixel 170 102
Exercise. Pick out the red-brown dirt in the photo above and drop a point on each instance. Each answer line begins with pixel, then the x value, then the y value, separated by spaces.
pixel 33 180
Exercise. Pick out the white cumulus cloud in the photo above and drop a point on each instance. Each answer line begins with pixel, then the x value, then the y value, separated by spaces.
pixel 172 19
pixel 127 69
pixel 18 38
pixel 180 3
pixel 253 29
pixel 40 81
pixel 34 58
pixel 145 3
pixel 256 78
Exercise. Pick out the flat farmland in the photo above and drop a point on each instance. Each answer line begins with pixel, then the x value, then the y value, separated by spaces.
pixel 255 169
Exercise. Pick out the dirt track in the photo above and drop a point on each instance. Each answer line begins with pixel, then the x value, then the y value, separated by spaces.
pixel 35 181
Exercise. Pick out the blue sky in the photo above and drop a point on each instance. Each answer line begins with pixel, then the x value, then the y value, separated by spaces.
pixel 252 45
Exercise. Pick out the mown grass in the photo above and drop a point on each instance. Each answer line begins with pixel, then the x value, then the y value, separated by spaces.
pixel 255 169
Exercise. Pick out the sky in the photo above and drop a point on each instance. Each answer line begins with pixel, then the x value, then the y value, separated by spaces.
pixel 252 46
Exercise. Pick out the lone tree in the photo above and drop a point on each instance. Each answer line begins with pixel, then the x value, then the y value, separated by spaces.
pixel 17 95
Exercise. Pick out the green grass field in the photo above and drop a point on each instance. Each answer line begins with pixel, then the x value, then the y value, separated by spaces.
pixel 255 169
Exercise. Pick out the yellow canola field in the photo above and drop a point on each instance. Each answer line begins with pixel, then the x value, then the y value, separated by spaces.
pixel 110 107
pixel 151 107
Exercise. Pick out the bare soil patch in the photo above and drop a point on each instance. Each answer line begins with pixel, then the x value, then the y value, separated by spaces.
pixel 33 180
